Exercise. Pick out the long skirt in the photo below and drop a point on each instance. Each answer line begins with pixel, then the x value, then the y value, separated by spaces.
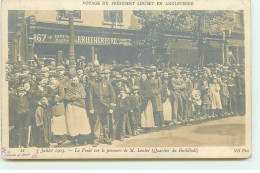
pixel 147 119
pixel 167 110
pixel 77 121
pixel 58 125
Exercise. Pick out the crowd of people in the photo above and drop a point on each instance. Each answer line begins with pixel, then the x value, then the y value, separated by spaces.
pixel 102 103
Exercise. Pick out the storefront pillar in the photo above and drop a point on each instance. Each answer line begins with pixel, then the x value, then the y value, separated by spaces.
pixel 227 55
pixel 237 53
pixel 60 58
pixel 223 53
pixel 93 54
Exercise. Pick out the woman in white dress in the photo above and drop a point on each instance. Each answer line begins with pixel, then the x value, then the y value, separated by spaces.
pixel 147 119
pixel 214 89
pixel 76 115
pixel 167 106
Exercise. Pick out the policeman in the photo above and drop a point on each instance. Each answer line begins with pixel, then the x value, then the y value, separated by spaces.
pixel 101 105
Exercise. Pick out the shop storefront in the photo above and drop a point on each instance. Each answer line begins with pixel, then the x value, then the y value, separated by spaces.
pixel 106 44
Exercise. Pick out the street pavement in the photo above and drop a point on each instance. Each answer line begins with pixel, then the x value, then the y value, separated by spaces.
pixel 229 131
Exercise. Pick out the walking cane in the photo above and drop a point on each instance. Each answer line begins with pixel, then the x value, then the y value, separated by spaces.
pixel 29 135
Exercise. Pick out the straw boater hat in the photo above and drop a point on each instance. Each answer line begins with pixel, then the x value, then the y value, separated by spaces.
pixel 60 68
pixel 135 87
pixel 133 72
pixel 118 78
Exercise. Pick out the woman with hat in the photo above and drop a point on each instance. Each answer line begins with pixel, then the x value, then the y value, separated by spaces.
pixel 167 106
pixel 76 116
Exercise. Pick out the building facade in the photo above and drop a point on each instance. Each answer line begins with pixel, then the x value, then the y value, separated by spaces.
pixel 112 35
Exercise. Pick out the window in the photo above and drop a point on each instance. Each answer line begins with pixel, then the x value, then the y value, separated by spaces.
pixel 115 17
pixel 238 19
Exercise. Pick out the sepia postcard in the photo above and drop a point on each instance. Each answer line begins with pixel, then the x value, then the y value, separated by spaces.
pixel 126 79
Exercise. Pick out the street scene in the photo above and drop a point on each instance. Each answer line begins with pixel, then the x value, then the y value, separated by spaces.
pixel 126 78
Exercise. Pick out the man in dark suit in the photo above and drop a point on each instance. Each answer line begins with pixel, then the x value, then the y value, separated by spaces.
pixel 101 105
pixel 133 80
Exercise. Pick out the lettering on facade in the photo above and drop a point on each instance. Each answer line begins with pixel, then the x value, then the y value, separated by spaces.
pixel 89 40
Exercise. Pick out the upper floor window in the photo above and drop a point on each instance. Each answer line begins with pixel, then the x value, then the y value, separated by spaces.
pixel 115 17
pixel 238 19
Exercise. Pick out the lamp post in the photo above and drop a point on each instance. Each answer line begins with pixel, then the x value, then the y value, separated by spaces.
pixel 69 15
pixel 225 41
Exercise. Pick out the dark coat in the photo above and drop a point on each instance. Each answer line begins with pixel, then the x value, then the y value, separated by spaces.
pixel 57 106
pixel 145 89
pixel 101 96
pixel 135 101
pixel 156 86
pixel 124 105
pixel 131 83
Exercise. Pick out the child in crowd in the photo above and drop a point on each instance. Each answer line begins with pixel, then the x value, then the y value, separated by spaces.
pixel 205 98
pixel 22 123
pixel 196 100
pixel 124 107
pixel 135 114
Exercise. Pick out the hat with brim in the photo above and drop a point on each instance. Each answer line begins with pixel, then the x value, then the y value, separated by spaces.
pixel 135 87
pixel 106 71
pixel 133 72
pixel 53 75
pixel 117 80
pixel 52 68
pixel 60 68
pixel 21 89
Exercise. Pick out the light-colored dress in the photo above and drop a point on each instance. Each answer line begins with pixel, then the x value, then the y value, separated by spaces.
pixel 147 120
pixel 77 120
pixel 215 96
pixel 76 115
pixel 167 110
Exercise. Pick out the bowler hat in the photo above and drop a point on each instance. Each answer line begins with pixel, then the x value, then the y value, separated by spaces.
pixel 21 89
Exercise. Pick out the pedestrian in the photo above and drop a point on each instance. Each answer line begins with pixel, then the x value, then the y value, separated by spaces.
pixel 58 122
pixel 156 86
pixel 224 96
pixel 214 91
pixel 135 114
pixel 167 106
pixel 42 120
pixel 102 103
pixel 124 108
pixel 196 100
pixel 205 95
pixel 177 85
pixel 22 119
pixel 147 118
pixel 76 116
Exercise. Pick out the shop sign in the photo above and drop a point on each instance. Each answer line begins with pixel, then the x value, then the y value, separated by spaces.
pixel 83 40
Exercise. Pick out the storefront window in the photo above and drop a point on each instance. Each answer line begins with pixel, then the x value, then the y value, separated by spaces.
pixel 114 16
